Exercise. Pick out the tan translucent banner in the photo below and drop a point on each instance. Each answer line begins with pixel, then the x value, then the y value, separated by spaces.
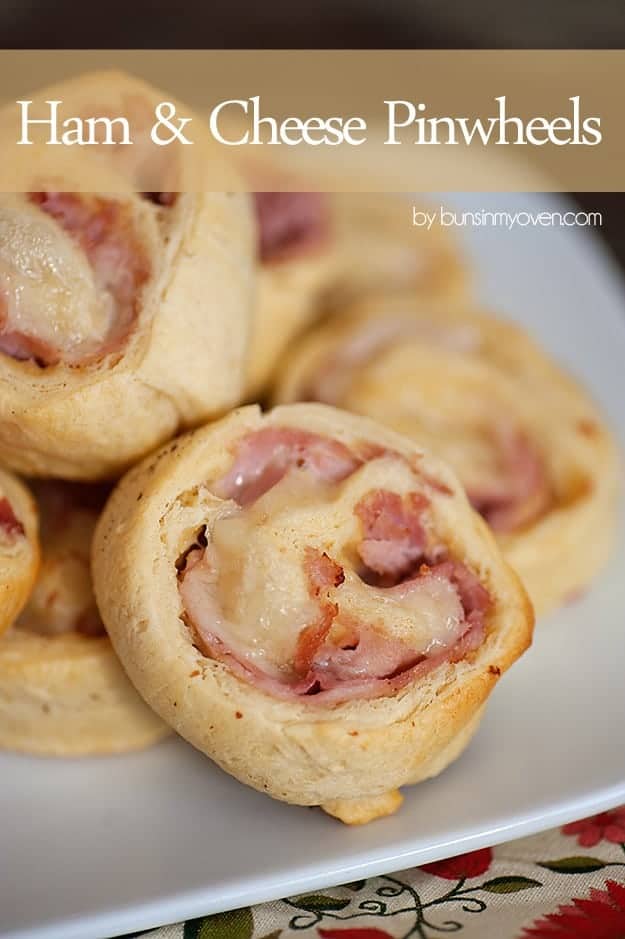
pixel 337 120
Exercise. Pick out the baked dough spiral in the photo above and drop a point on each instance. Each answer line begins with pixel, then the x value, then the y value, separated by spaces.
pixel 62 688
pixel 124 315
pixel 19 547
pixel 528 444
pixel 309 599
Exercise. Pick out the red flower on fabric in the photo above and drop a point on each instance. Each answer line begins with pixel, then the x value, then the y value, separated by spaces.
pixel 608 826
pixel 601 916
pixel 465 865
pixel 359 933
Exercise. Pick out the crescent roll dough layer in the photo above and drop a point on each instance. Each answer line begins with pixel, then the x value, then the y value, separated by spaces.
pixel 124 315
pixel 62 688
pixel 527 443
pixel 309 599
pixel 19 547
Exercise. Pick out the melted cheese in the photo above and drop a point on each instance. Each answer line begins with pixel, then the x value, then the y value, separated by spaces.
pixel 425 613
pixel 47 283
pixel 252 589
pixel 263 590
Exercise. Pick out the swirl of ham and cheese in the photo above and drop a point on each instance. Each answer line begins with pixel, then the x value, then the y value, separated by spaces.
pixel 373 604
pixel 310 600
pixel 526 442
pixel 423 378
pixel 72 267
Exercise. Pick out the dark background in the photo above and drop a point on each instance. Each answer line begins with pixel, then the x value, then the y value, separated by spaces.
pixel 229 24
pixel 365 24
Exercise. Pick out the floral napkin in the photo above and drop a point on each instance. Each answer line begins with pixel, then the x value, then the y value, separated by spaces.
pixel 568 883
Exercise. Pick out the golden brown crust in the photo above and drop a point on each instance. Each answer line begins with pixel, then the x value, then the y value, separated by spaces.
pixel 443 361
pixel 296 752
pixel 19 557
pixel 362 811
pixel 185 356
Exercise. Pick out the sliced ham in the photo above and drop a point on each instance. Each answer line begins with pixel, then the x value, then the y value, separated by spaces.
pixel 335 687
pixel 364 654
pixel 312 638
pixel 361 652
pixel 524 492
pixel 393 534
pixel 290 223
pixel 265 456
pixel 361 657
pixel 309 641
pixel 323 574
pixel 334 657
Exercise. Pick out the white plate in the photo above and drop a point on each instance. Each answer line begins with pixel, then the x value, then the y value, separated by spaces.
pixel 97 847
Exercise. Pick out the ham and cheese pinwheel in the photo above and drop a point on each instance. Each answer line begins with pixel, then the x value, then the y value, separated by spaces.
pixel 19 547
pixel 526 441
pixel 309 599
pixel 62 689
pixel 124 315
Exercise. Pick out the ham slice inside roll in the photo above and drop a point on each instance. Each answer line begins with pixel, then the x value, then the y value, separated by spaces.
pixel 71 270
pixel 290 224
pixel 303 602
pixel 264 458
pixel 503 471
pixel 520 491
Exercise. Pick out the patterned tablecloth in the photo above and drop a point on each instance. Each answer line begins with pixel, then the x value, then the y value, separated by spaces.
pixel 568 883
